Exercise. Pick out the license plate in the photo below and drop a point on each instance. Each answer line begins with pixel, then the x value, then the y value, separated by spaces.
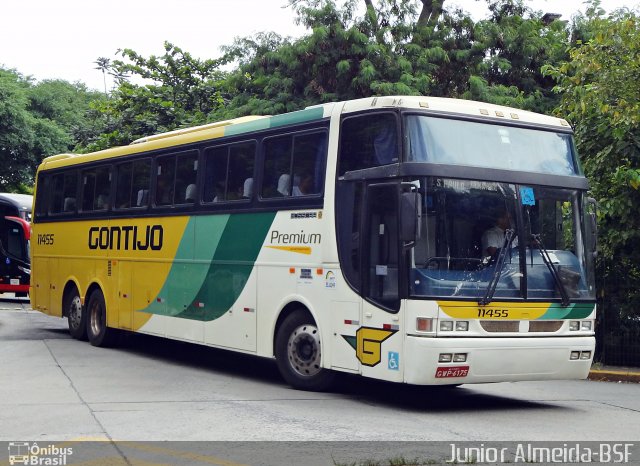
pixel 14 281
pixel 453 371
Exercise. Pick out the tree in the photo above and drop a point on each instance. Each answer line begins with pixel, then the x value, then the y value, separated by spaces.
pixel 518 43
pixel 178 90
pixel 25 138
pixel 600 85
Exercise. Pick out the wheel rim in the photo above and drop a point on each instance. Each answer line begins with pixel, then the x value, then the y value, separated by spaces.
pixel 303 350
pixel 95 318
pixel 75 312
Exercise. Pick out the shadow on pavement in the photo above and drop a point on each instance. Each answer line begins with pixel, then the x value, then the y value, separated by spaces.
pixel 366 391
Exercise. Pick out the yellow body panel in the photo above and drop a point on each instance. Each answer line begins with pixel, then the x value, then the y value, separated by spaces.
pixel 119 255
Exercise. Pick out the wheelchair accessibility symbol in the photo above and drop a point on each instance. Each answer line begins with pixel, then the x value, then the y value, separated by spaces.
pixel 394 361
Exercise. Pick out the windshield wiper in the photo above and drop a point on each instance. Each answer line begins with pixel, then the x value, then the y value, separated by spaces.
pixel 509 234
pixel 552 269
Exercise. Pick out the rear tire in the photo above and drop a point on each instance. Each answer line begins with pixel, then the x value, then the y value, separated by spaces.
pixel 97 331
pixel 299 355
pixel 76 315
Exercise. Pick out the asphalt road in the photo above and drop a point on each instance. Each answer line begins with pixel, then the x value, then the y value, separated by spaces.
pixel 54 388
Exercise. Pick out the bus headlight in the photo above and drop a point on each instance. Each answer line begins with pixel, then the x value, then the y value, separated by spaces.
pixel 585 325
pixel 462 326
pixel 446 325
pixel 585 355
pixel 460 357
pixel 445 357
pixel 574 325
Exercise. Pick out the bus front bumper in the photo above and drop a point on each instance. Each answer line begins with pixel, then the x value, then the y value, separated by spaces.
pixel 496 359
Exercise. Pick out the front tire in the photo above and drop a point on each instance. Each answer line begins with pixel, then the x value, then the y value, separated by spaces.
pixel 76 315
pixel 97 331
pixel 299 355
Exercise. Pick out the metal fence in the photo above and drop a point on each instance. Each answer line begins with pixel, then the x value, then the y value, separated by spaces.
pixel 618 322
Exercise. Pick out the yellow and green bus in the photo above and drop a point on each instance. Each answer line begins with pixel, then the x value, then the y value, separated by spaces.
pixel 410 239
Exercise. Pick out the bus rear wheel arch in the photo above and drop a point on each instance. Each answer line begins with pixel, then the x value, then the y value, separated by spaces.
pixel 298 350
pixel 97 331
pixel 75 312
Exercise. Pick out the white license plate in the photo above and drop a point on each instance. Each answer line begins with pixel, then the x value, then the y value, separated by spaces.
pixel 14 281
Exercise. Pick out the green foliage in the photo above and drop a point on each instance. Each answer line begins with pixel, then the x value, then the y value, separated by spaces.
pixel 600 85
pixel 177 90
pixel 36 120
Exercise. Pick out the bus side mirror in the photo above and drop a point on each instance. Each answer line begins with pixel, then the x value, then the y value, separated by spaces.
pixel 410 218
pixel 592 225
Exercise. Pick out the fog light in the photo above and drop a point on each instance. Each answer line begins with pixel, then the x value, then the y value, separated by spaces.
pixel 574 325
pixel 460 357
pixel 446 326
pixel 585 355
pixel 424 325
pixel 575 355
pixel 445 357
pixel 585 325
pixel 462 326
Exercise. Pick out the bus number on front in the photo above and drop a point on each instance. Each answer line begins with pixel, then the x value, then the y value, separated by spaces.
pixel 493 313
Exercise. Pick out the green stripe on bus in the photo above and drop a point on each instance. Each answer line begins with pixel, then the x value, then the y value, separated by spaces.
pixel 297 117
pixel 275 121
pixel 231 265
pixel 573 311
pixel 183 281
pixel 247 127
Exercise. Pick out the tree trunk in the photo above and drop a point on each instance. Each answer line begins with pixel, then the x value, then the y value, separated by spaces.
pixel 431 11
pixel 371 11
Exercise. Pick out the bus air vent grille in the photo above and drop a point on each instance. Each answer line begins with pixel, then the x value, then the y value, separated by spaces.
pixel 545 325
pixel 498 326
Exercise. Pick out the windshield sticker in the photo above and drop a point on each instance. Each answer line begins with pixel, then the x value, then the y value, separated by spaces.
pixel 527 197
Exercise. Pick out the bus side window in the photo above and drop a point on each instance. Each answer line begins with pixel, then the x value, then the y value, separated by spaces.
pixel 65 191
pixel 165 180
pixel 123 185
pixel 309 152
pixel 240 169
pixel 140 183
pixel 215 180
pixel 186 177
pixel 102 198
pixel 294 165
pixel 229 172
pixel 96 189
pixel 44 197
pixel 276 180
pixel 368 141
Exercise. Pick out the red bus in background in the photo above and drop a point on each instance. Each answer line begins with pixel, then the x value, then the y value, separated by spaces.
pixel 15 236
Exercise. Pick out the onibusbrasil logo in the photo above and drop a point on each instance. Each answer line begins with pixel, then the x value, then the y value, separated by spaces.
pixel 33 454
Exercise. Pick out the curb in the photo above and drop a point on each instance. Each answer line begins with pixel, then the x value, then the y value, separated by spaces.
pixel 614 376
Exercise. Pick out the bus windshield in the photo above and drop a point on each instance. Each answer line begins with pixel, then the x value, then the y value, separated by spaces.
pixel 494 240
pixel 437 140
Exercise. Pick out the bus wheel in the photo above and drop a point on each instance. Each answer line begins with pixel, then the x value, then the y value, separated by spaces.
pixel 299 355
pixel 76 317
pixel 97 331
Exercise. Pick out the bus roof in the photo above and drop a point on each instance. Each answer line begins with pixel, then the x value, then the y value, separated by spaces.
pixel 22 202
pixel 442 105
pixel 247 124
